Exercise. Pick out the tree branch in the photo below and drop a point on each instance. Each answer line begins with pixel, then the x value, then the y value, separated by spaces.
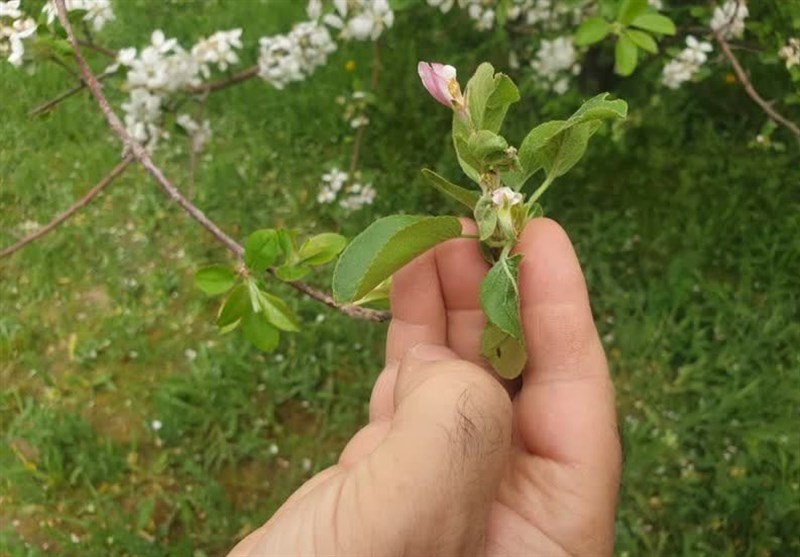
pixel 141 154
pixel 52 103
pixel 243 75
pixel 373 83
pixel 748 85
pixel 74 208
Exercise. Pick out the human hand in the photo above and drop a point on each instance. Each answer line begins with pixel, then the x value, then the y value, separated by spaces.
pixel 454 462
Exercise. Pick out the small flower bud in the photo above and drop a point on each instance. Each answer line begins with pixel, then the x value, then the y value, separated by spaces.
pixel 506 197
pixel 440 81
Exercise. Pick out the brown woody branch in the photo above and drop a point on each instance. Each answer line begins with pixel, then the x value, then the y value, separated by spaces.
pixel 741 74
pixel 243 75
pixel 74 208
pixel 141 154
pixel 52 103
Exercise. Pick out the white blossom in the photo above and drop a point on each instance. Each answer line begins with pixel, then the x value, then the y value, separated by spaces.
pixel 791 52
pixel 444 5
pixel 218 49
pixel 686 64
pixel 656 4
pixel 334 185
pixel 358 196
pixel 360 20
pixel 728 19
pixel 14 28
pixel 143 116
pixel 10 9
pixel 98 12
pixel 555 60
pixel 156 425
pixel 293 57
pixel 200 133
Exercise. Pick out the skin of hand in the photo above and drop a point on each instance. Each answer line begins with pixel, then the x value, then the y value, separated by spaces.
pixel 455 462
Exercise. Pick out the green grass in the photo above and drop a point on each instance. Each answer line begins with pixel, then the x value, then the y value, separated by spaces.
pixel 689 241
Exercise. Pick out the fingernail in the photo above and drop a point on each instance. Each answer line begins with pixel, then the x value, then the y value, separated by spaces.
pixel 431 353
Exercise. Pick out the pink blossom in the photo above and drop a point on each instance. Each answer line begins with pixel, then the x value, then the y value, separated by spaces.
pixel 440 81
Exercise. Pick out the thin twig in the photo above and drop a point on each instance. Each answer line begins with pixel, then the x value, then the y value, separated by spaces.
pixel 55 101
pixel 98 48
pixel 373 84
pixel 141 154
pixel 74 208
pixel 193 151
pixel 747 84
pixel 243 75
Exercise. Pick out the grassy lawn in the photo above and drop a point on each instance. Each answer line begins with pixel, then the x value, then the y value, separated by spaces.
pixel 690 241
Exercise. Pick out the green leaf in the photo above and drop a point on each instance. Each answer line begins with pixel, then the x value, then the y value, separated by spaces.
pixel 528 152
pixel 322 248
pixel 486 147
pixel 504 95
pixel 462 195
pixel 215 279
pixel 291 273
pixel 565 150
pixel 599 107
pixel 465 159
pixel 591 31
pixel 234 308
pixel 500 296
pixel 261 249
pixel 643 40
pixel 655 23
pixel 506 354
pixel 625 55
pixel 479 88
pixel 260 332
pixel 274 309
pixel 384 247
pixel 630 10
pixel 485 217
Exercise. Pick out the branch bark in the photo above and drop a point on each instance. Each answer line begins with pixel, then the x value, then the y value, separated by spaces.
pixel 141 154
pixel 373 83
pixel 741 74
pixel 74 208
pixel 243 75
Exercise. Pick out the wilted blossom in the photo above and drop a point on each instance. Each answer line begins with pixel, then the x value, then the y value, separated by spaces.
pixel 686 64
pixel 440 81
pixel 13 29
pixel 728 19
pixel 98 12
pixel 791 52
pixel 360 20
pixel 506 197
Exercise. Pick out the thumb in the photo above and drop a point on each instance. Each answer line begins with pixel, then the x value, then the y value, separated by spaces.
pixel 437 471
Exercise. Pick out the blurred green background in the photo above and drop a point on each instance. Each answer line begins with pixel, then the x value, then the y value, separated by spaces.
pixel 689 238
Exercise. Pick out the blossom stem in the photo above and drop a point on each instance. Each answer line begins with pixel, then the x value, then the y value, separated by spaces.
pixel 143 157
pixel 373 84
pixel 74 208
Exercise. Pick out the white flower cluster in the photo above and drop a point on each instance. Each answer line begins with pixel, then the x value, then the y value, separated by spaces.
pixel 552 15
pixel 686 64
pixel 728 19
pixel 555 62
pixel 200 133
pixel 351 197
pixel 164 67
pixel 547 13
pixel 14 27
pixel 359 20
pixel 293 57
pixel 98 12
pixel 355 109
pixel 791 52
pixel 219 49
pixel 656 4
